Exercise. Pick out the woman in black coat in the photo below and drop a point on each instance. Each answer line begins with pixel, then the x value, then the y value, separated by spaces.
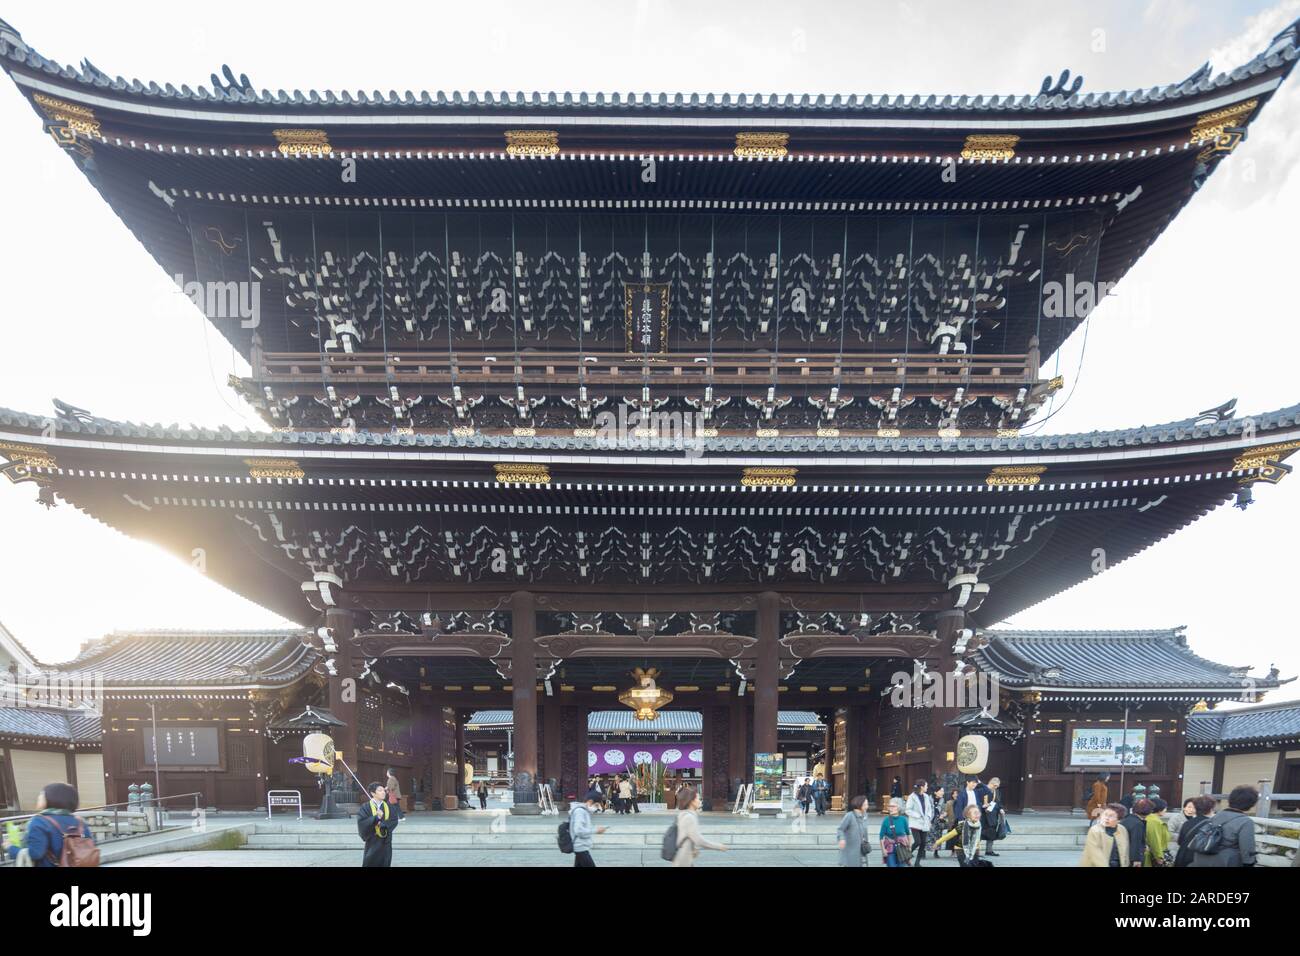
pixel 1204 811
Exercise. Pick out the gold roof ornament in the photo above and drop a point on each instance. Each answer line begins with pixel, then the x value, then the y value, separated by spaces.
pixel 274 468
pixel 532 142
pixel 888 433
pixel 1015 475
pixel 1056 384
pixel 768 477
pixel 28 455
pixel 762 145
pixel 990 146
pixel 1210 126
pixel 73 115
pixel 1201 707
pixel 303 142
pixel 1008 432
pixel 1267 459
pixel 512 473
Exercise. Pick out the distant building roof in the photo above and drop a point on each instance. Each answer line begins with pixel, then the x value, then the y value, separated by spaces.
pixel 1264 725
pixel 621 722
pixel 154 659
pixel 1148 660
pixel 47 725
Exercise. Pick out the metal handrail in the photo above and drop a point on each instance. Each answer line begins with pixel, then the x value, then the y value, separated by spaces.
pixel 116 809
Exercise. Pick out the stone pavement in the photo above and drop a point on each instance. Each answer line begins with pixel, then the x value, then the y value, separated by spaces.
pixel 607 857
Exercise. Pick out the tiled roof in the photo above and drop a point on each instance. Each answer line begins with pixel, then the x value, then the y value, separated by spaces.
pixel 52 724
pixel 267 658
pixel 1158 659
pixel 240 92
pixel 1271 723
pixel 1185 430
pixel 623 721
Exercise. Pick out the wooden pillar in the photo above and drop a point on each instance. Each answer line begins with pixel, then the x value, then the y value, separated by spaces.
pixel 460 754
pixel 523 676
pixel 573 753
pixel 738 741
pixel 715 739
pixel 943 739
pixel 767 673
pixel 344 688
pixel 551 748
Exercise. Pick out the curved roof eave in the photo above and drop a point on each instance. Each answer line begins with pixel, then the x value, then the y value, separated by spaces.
pixel 743 108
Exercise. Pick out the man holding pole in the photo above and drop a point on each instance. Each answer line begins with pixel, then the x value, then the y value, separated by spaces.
pixel 376 821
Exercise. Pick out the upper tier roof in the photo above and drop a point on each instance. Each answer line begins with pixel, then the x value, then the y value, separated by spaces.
pixel 228 92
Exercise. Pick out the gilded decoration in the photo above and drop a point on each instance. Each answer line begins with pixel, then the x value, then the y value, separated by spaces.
pixel 303 142
pixel 274 468
pixel 768 477
pixel 1211 126
pixel 762 145
pixel 990 146
pixel 76 117
pixel 28 455
pixel 1008 432
pixel 1015 475
pixel 523 474
pixel 532 142
pixel 1265 458
pixel 888 433
pixel 1056 384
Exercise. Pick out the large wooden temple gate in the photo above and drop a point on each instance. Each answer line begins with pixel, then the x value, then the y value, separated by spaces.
pixel 751 674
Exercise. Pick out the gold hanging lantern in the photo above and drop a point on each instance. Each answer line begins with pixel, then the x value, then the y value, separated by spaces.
pixel 646 697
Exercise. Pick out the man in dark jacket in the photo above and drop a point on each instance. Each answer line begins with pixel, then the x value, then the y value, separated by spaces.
pixel 973 795
pixel 376 821
pixel 1237 847
pixel 1136 828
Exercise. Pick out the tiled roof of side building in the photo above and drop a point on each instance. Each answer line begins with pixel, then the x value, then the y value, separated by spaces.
pixel 193 658
pixel 50 724
pixel 1185 430
pixel 1267 724
pixel 232 91
pixel 1157 659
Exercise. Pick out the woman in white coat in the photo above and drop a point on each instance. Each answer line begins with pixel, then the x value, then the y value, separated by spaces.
pixel 920 817
pixel 689 839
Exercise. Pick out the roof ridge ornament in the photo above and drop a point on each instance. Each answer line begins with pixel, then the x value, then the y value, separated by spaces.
pixel 1060 88
pixel 230 85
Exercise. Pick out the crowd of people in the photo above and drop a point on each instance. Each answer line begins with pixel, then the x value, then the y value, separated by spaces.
pixel 619 794
pixel 1140 832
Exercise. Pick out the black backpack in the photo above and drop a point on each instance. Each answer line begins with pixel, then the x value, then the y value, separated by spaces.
pixel 1207 839
pixel 670 846
pixel 564 838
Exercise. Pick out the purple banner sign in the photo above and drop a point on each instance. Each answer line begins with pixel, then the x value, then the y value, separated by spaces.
pixel 616 758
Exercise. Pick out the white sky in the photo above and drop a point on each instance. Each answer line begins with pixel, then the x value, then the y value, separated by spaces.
pixel 1206 315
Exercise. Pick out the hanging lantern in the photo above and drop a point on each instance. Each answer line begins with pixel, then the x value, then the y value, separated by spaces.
pixel 972 754
pixel 318 753
pixel 645 697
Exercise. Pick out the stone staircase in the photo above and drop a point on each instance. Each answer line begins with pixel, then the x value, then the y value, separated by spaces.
pixel 480 830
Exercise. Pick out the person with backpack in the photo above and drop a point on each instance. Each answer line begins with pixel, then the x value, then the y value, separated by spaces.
pixel 576 833
pixel 1202 810
pixel 685 832
pixel 851 834
pixel 1229 839
pixel 804 794
pixel 56 836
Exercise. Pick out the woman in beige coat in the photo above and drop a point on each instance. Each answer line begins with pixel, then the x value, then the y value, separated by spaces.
pixel 689 839
pixel 1107 842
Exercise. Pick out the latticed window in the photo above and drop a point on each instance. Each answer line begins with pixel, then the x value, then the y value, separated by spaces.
pixel 369 721
pixel 1160 761
pixel 128 758
pixel 1049 757
pixel 239 755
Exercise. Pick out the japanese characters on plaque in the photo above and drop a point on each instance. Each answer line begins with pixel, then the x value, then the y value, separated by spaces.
pixel 647 317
